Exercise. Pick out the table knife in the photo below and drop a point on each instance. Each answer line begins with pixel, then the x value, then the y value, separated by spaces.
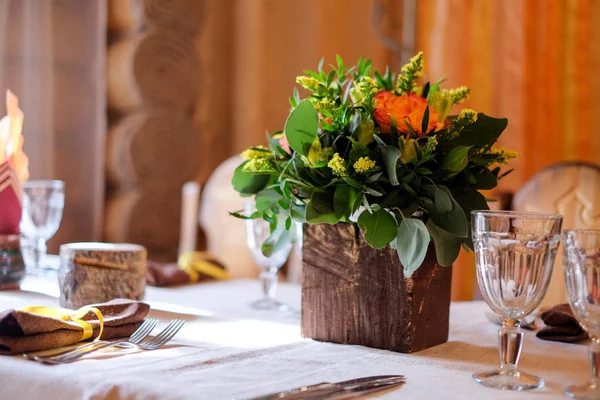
pixel 349 392
pixel 304 391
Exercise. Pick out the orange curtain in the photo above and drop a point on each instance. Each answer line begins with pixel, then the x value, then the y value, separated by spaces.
pixel 274 41
pixel 536 62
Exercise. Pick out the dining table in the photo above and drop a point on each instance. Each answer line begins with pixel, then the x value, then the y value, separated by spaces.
pixel 227 350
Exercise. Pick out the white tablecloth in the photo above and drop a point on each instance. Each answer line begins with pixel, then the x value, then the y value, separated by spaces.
pixel 228 351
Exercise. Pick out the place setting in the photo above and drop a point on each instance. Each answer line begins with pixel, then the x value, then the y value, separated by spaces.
pixel 381 181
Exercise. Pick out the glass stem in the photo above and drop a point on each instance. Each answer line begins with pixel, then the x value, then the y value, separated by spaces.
pixel 594 354
pixel 269 282
pixel 510 340
pixel 39 252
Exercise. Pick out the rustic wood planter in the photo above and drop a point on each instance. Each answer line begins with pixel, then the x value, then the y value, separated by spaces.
pixel 354 294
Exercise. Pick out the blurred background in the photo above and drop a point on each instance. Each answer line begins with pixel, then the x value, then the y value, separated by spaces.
pixel 126 100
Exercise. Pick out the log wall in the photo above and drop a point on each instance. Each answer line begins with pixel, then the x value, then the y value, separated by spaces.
pixel 153 77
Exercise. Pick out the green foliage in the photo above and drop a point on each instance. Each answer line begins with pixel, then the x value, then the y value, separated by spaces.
pixel 380 227
pixel 353 159
pixel 411 244
pixel 301 127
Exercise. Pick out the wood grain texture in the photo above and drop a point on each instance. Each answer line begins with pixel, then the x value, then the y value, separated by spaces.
pixel 156 69
pixel 149 217
pixel 152 149
pixel 354 294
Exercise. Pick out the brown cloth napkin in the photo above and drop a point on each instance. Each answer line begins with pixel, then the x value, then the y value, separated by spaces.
pixel 172 274
pixel 22 332
pixel 561 325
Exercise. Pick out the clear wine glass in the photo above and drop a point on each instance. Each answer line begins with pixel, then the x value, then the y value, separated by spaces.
pixel 515 254
pixel 582 275
pixel 257 231
pixel 43 203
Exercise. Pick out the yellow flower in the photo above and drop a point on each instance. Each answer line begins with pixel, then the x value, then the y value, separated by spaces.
pixel 337 165
pixel 467 116
pixel 325 104
pixel 307 82
pixel 364 165
pixel 255 152
pixel 457 95
pixel 410 72
pixel 503 155
pixel 259 165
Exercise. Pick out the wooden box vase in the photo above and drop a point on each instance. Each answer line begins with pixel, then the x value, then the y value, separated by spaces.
pixel 354 294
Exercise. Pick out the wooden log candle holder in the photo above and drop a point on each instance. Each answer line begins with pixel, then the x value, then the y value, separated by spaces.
pixel 92 273
pixel 354 294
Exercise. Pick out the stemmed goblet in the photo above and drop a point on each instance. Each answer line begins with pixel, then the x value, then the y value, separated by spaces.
pixel 257 232
pixel 43 203
pixel 515 254
pixel 582 275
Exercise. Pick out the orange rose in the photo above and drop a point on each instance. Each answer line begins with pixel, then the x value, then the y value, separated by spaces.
pixel 409 108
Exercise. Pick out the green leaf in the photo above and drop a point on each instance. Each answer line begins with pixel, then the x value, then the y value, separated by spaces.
pixel 447 246
pixel 454 221
pixel 320 209
pixel 298 213
pixel 320 67
pixel 456 160
pixel 425 122
pixel 425 91
pixel 380 227
pixel 344 200
pixel 390 156
pixel 442 201
pixel 469 199
pixel 279 238
pixel 482 133
pixel 265 199
pixel 412 241
pixel 485 179
pixel 248 183
pixel 301 127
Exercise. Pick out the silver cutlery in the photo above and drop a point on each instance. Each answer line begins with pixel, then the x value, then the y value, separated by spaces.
pixel 347 393
pixel 527 323
pixel 324 388
pixel 136 337
pixel 156 342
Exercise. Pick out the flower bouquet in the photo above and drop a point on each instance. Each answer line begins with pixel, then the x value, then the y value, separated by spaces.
pixel 378 158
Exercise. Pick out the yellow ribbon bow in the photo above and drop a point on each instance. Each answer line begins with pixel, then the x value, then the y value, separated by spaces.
pixel 88 331
pixel 195 263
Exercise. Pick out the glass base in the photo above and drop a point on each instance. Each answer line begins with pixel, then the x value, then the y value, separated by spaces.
pixel 509 380
pixel 587 390
pixel 269 304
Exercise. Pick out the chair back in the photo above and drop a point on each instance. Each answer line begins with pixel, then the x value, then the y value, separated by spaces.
pixel 571 189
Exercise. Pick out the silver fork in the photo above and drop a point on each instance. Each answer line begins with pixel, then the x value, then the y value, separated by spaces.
pixel 525 323
pixel 136 337
pixel 158 341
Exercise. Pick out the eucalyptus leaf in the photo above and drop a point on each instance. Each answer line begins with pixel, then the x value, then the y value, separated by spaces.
pixel 278 239
pixel 482 133
pixel 380 227
pixel 447 246
pixel 301 127
pixel 390 156
pixel 266 199
pixel 320 209
pixel 456 160
pixel 454 221
pixel 412 241
pixel 248 183
pixel 344 200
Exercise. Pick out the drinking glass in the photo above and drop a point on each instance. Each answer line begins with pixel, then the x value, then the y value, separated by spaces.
pixel 257 231
pixel 43 203
pixel 582 274
pixel 515 254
